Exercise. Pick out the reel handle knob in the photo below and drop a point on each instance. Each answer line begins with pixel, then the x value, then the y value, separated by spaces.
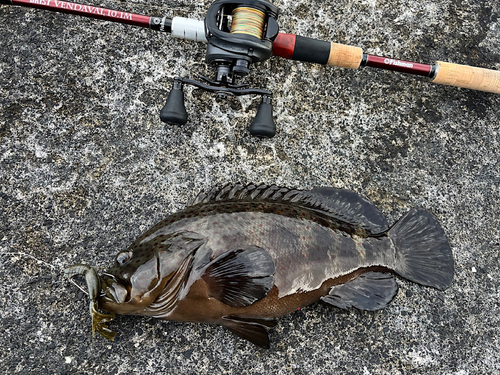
pixel 174 111
pixel 263 124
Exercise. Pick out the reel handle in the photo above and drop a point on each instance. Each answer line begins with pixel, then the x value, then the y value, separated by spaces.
pixel 174 111
pixel 263 125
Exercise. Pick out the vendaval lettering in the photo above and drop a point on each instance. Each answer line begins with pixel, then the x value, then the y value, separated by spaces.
pixel 86 9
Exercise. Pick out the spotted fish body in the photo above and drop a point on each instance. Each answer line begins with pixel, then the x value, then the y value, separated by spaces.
pixel 241 256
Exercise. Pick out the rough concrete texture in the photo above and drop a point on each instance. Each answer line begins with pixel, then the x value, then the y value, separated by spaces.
pixel 86 166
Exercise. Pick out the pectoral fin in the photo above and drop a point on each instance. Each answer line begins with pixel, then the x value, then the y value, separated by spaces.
pixel 240 277
pixel 253 330
pixel 370 291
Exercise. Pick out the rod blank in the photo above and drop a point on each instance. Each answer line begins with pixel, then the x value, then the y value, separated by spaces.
pixel 86 11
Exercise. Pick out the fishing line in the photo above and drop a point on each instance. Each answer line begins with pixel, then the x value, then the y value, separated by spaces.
pixel 32 257
pixel 39 261
pixel 248 21
pixel 52 267
pixel 78 286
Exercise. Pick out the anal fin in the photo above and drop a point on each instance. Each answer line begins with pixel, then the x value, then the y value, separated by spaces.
pixel 253 330
pixel 240 277
pixel 370 291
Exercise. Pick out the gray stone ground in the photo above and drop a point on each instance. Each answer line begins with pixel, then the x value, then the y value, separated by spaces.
pixel 86 166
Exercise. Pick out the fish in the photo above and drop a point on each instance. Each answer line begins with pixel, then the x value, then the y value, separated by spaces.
pixel 242 256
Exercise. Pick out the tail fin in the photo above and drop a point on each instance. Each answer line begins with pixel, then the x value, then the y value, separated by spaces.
pixel 423 254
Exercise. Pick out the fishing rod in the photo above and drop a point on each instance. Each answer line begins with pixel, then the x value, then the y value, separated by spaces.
pixel 239 33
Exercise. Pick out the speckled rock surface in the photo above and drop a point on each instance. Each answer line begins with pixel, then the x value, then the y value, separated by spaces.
pixel 86 166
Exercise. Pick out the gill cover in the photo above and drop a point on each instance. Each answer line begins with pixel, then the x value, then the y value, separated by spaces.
pixel 145 265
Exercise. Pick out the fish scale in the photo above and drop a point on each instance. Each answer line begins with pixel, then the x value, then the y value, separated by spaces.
pixel 299 253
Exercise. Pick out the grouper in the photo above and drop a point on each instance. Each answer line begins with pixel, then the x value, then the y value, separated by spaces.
pixel 242 256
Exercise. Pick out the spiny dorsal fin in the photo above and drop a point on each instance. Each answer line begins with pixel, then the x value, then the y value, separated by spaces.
pixel 339 204
pixel 240 192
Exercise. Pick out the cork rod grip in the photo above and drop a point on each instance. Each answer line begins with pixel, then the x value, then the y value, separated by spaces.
pixel 317 51
pixel 345 56
pixel 468 77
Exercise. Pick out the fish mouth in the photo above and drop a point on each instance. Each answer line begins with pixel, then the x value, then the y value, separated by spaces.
pixel 119 295
pixel 113 291
pixel 116 297
pixel 119 291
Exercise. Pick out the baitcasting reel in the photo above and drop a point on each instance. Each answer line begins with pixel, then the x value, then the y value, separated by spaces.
pixel 239 33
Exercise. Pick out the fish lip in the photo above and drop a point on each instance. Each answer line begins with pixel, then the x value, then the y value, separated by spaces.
pixel 119 291
pixel 113 291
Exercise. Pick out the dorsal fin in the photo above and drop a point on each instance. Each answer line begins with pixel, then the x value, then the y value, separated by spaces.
pixel 342 205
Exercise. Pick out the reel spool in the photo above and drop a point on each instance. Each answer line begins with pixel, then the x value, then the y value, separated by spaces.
pixel 239 33
pixel 247 20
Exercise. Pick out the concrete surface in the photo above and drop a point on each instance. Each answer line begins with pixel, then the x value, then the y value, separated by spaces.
pixel 86 166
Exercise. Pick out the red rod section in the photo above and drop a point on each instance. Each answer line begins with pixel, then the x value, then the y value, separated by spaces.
pixel 87 11
pixel 301 48
pixel 398 65
pixel 284 45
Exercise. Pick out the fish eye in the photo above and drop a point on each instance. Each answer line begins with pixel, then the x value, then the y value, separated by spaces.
pixel 123 257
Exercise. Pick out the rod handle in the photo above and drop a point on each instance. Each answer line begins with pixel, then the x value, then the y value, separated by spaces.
pixel 345 56
pixel 468 77
pixel 301 48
